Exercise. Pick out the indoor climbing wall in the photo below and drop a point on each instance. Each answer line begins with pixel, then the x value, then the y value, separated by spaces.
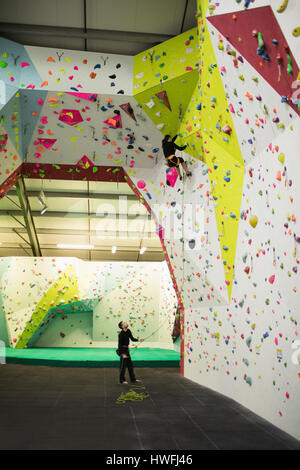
pixel 159 73
pixel 137 299
pixel 230 233
pixel 246 349
pixel 242 127
pixel 17 73
pixel 4 268
pixel 168 303
pixel 62 106
pixel 65 302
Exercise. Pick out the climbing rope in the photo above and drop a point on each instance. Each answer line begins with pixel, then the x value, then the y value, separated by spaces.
pixel 132 395
pixel 134 348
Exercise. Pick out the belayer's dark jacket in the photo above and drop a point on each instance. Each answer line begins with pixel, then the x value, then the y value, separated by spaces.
pixel 123 344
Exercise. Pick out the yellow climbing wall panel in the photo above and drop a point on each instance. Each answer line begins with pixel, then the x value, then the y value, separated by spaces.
pixel 166 61
pixel 63 290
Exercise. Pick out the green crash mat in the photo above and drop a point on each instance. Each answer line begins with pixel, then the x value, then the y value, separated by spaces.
pixel 91 357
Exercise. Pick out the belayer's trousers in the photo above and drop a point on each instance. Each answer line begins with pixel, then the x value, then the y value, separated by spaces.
pixel 126 363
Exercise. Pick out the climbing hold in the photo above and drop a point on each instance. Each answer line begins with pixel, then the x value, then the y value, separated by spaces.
pixel 248 380
pixel 261 44
pixel 282 6
pixel 192 244
pixel 227 130
pixel 289 69
pixel 272 279
pixel 253 221
pixel 141 184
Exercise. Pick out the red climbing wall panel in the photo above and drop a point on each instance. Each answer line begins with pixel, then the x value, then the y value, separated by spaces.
pixel 237 29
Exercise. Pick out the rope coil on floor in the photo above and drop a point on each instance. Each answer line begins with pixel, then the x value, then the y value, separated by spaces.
pixel 132 395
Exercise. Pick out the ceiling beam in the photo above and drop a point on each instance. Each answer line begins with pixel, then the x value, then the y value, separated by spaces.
pixel 17 29
pixel 77 195
pixel 80 215
pixel 99 233
pixel 184 15
pixel 104 249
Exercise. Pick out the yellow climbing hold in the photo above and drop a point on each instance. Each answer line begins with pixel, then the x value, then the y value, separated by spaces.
pixel 253 221
pixel 296 32
pixel 282 6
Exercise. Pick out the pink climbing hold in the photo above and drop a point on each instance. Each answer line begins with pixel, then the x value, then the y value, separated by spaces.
pixel 272 279
pixel 141 184
pixel 172 176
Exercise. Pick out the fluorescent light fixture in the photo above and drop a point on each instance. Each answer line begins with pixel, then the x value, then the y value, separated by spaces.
pixel 142 250
pixel 44 210
pixel 79 247
pixel 113 249
pixel 42 201
pixel 42 198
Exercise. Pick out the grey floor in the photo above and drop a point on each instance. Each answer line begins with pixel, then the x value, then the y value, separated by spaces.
pixel 75 408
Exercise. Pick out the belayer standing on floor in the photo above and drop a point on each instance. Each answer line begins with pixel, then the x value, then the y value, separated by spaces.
pixel 169 149
pixel 123 351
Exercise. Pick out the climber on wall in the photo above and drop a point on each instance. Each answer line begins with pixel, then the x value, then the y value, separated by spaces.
pixel 123 351
pixel 169 149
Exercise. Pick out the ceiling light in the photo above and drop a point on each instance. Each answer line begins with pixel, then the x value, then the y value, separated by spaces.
pixel 42 198
pixel 80 247
pixel 142 250
pixel 44 210
pixel 113 249
pixel 42 201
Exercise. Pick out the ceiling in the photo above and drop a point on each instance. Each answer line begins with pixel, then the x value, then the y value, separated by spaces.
pixel 117 27
pixel 85 213
pixel 77 211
